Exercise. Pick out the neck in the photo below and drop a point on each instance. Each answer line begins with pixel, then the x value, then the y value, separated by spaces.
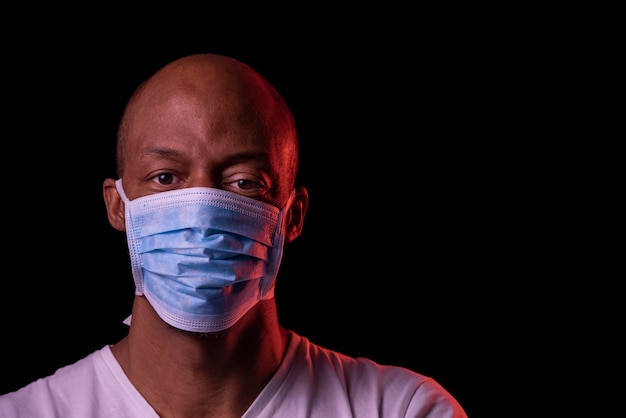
pixel 217 374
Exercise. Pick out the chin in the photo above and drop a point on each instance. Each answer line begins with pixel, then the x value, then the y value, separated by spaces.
pixel 200 335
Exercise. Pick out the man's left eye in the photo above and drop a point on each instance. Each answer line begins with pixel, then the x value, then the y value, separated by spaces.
pixel 246 184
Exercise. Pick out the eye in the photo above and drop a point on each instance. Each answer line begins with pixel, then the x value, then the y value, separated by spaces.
pixel 164 179
pixel 246 186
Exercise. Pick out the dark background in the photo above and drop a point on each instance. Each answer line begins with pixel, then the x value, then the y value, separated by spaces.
pixel 414 244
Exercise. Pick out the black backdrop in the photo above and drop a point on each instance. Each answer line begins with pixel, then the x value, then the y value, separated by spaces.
pixel 402 237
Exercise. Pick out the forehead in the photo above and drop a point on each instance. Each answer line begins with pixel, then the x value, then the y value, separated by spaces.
pixel 185 135
pixel 185 121
pixel 209 115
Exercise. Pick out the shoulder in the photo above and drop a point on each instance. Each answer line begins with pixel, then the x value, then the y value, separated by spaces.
pixel 357 383
pixel 349 368
pixel 51 395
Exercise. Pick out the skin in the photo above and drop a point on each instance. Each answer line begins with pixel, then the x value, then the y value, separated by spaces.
pixel 205 121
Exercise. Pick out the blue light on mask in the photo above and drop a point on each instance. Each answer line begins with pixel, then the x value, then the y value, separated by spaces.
pixel 203 257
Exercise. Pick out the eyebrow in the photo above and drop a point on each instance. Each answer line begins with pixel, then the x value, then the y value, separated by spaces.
pixel 163 152
pixel 159 152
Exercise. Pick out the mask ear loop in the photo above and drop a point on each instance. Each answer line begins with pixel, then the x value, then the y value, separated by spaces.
pixel 120 190
pixel 132 243
pixel 278 242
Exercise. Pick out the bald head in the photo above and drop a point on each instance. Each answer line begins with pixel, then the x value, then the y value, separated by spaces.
pixel 211 95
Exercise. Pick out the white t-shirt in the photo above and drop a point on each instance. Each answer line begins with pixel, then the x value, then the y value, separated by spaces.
pixel 312 381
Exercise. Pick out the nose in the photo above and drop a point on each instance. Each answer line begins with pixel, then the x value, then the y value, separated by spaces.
pixel 203 178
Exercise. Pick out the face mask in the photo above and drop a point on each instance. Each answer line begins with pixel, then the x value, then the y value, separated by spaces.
pixel 203 257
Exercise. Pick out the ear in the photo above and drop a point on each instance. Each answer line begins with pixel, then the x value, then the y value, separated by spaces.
pixel 114 204
pixel 295 218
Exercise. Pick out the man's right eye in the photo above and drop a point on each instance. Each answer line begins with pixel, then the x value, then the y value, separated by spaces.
pixel 164 179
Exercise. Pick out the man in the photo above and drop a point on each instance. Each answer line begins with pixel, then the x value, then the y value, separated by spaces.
pixel 207 158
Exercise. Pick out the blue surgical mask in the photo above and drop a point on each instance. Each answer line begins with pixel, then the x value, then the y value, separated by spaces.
pixel 203 257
